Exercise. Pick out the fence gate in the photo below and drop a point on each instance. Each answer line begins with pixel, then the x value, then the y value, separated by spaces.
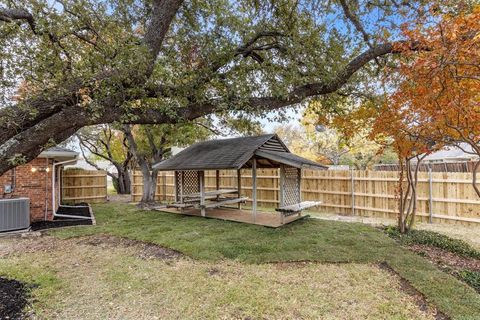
pixel 84 186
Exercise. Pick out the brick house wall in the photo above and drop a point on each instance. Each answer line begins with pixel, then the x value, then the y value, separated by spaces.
pixel 34 185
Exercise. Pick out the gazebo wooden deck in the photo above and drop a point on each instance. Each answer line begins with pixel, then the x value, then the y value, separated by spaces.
pixel 265 151
pixel 262 218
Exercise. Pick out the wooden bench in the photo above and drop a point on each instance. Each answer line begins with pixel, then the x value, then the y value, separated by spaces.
pixel 226 201
pixel 297 207
pixel 180 205
pixel 212 193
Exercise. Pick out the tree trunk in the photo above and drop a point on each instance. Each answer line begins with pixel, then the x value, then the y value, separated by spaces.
pixel 149 186
pixel 474 177
pixel 401 196
pixel 122 182
pixel 408 198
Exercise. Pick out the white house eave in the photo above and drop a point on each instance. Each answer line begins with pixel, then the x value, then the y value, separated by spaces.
pixel 59 155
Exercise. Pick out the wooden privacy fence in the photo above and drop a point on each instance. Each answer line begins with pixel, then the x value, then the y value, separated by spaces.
pixel 84 186
pixel 442 196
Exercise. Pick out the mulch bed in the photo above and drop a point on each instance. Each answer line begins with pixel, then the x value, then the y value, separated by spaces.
pixel 449 262
pixel 13 299
pixel 57 223
pixel 146 250
pixel 80 209
pixel 444 258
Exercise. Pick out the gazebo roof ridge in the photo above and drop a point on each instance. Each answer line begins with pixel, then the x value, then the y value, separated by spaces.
pixel 235 153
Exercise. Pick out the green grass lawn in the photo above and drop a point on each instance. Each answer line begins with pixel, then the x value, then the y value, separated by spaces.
pixel 216 241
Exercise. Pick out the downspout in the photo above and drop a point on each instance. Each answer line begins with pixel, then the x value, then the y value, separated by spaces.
pixel 53 183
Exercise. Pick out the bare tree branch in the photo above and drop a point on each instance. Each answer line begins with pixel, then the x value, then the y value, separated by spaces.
pixel 214 131
pixel 249 48
pixel 355 21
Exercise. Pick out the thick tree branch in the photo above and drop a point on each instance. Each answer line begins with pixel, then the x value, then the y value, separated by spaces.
pixel 162 15
pixel 163 12
pixel 9 15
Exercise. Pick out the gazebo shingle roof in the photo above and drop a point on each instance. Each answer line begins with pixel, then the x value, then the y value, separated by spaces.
pixel 234 153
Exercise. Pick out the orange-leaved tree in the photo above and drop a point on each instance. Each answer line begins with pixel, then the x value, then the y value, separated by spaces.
pixel 397 127
pixel 410 137
pixel 440 87
pixel 435 100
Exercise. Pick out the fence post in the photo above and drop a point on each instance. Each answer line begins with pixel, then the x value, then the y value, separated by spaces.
pixel 430 194
pixel 280 189
pixel 106 186
pixel 353 191
pixel 164 183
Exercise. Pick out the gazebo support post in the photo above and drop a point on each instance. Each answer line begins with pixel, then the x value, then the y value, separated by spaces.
pixel 201 178
pixel 182 181
pixel 239 186
pixel 182 185
pixel 254 189
pixel 281 192
pixel 217 181
pixel 299 186
pixel 175 186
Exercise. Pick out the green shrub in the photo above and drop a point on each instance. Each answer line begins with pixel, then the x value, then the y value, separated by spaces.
pixel 433 239
pixel 472 278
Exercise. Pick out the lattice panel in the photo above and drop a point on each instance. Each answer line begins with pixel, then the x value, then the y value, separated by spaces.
pixel 191 182
pixel 291 185
pixel 187 182
pixel 178 185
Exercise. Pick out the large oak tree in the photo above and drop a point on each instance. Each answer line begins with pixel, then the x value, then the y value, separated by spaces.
pixel 66 64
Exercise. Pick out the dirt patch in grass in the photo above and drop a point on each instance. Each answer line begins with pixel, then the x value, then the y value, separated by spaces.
pixel 146 250
pixel 13 299
pixel 17 244
pixel 443 257
pixel 450 255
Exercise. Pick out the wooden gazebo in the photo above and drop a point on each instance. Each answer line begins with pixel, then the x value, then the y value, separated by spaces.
pixel 265 151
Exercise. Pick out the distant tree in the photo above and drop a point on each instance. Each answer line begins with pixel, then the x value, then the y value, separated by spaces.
pixel 315 141
pixel 295 137
pixel 106 143
pixel 150 144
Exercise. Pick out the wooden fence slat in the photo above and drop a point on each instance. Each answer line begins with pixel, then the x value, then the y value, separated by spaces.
pixel 85 186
